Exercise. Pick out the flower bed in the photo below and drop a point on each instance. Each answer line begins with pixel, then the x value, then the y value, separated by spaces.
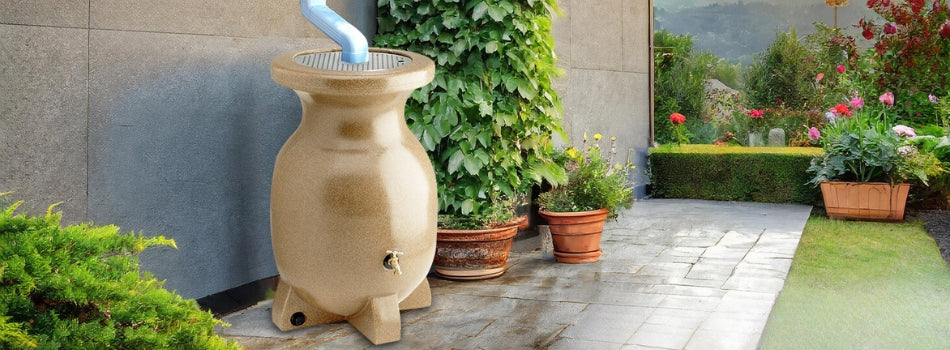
pixel 760 174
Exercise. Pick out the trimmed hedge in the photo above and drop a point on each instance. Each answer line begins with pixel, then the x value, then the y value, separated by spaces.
pixel 758 174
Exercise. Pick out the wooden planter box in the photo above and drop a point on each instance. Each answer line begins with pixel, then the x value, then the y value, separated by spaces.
pixel 865 200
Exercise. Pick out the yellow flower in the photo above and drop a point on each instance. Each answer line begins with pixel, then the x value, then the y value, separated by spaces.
pixel 571 152
pixel 618 166
pixel 597 137
pixel 585 136
pixel 613 138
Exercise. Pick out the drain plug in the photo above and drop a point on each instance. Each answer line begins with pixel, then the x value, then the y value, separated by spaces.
pixel 298 318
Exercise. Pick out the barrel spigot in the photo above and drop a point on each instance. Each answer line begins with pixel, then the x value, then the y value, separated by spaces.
pixel 391 261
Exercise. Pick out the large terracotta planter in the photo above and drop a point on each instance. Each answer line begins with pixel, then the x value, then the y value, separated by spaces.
pixel 473 254
pixel 865 200
pixel 576 235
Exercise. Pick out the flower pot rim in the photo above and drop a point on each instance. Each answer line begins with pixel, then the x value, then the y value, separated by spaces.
pixel 507 226
pixel 574 213
pixel 865 182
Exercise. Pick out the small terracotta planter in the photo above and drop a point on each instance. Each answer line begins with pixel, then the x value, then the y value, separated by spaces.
pixel 473 254
pixel 576 235
pixel 865 200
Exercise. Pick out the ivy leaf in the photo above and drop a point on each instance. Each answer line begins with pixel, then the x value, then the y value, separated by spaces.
pixel 485 109
pixel 497 13
pixel 491 47
pixel 471 165
pixel 467 206
pixel 455 161
pixel 479 10
pixel 527 90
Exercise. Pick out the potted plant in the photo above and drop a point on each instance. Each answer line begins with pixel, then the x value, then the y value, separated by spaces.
pixel 867 163
pixel 576 211
pixel 476 246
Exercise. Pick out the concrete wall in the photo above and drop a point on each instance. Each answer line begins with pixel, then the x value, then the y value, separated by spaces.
pixel 604 47
pixel 160 118
pixel 164 119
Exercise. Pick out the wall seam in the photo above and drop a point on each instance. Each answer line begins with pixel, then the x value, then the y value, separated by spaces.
pixel 88 100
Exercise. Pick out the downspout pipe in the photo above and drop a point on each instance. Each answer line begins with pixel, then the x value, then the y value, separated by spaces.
pixel 354 44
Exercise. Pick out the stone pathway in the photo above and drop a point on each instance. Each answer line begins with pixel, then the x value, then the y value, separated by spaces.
pixel 675 274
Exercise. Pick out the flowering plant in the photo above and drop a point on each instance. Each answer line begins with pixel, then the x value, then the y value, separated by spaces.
pixel 679 130
pixel 593 181
pixel 757 116
pixel 910 40
pixel 863 145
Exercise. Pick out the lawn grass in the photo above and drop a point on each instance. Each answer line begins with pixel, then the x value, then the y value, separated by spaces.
pixel 862 285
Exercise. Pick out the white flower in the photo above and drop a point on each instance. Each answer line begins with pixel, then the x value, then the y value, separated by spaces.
pixel 830 116
pixel 907 151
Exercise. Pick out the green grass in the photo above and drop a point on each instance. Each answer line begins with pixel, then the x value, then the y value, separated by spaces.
pixel 862 285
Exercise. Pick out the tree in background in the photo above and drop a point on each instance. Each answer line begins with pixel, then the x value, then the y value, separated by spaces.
pixel 678 84
pixel 785 76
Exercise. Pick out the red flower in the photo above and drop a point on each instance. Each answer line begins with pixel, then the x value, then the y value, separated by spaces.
pixel 677 118
pixel 916 5
pixel 840 69
pixel 867 33
pixel 890 28
pixel 945 29
pixel 756 113
pixel 841 109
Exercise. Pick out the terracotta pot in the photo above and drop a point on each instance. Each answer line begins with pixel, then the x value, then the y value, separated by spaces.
pixel 576 235
pixel 473 254
pixel 865 200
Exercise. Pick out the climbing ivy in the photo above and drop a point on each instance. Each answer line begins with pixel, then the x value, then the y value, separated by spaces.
pixel 488 116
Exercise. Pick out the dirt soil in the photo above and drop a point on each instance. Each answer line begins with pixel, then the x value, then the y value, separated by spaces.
pixel 937 223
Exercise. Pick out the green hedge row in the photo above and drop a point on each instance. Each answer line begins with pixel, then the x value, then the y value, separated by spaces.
pixel 758 174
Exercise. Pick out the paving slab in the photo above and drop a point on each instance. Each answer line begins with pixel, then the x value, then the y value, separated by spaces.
pixel 675 274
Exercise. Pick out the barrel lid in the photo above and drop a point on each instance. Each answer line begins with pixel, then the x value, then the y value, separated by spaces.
pixel 321 71
pixel 333 61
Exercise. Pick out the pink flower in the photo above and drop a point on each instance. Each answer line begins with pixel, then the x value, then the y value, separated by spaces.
pixel 904 130
pixel 857 102
pixel 887 99
pixel 945 29
pixel 840 69
pixel 819 77
pixel 932 98
pixel 756 113
pixel 840 109
pixel 890 28
pixel 814 134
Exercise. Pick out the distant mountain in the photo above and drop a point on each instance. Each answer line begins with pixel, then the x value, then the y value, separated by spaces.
pixel 738 30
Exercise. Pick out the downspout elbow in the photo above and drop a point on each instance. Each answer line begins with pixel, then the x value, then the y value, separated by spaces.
pixel 354 44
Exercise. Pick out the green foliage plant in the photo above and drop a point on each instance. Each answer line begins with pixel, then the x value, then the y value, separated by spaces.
pixel 594 181
pixel 732 173
pixel 488 116
pixel 79 287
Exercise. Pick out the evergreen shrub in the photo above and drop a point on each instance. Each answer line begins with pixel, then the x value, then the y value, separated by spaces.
pixel 758 174
pixel 80 287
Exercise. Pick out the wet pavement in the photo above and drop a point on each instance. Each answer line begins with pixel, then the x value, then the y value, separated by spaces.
pixel 675 274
